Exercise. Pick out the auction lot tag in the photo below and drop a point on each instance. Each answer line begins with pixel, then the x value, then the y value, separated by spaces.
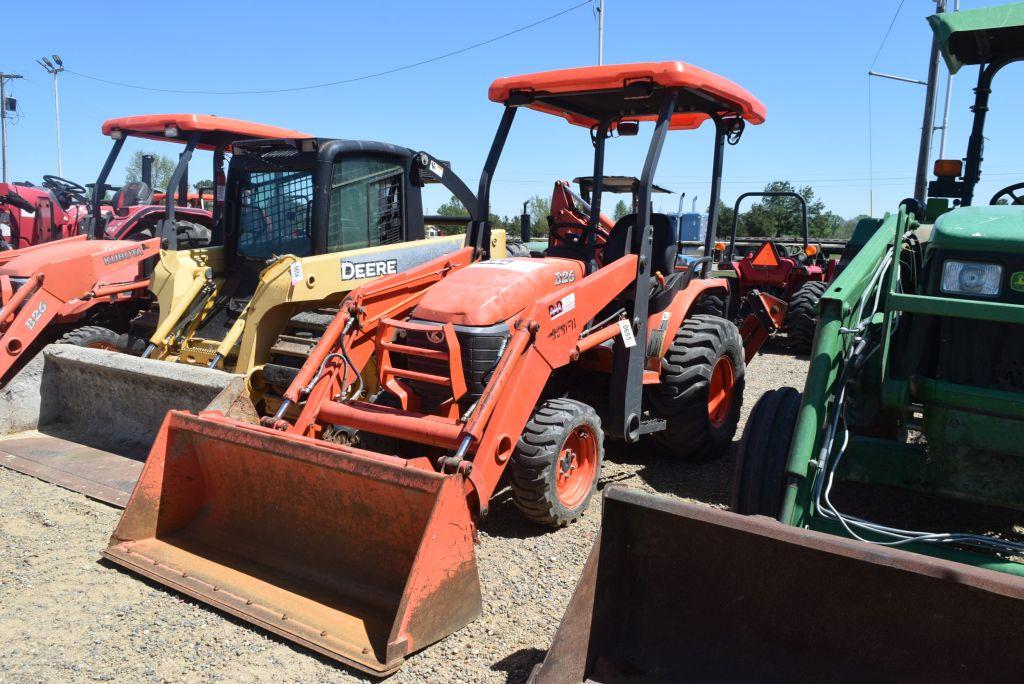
pixel 296 271
pixel 627 333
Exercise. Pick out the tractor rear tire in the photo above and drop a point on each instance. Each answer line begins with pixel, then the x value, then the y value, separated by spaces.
pixel 760 480
pixel 701 389
pixel 712 304
pixel 516 248
pixel 802 317
pixel 557 462
pixel 94 337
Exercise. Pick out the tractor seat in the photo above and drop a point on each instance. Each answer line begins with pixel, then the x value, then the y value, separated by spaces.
pixel 663 256
pixel 131 195
pixel 663 250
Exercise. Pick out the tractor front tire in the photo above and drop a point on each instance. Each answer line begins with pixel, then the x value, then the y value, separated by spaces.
pixel 701 389
pixel 94 337
pixel 557 462
pixel 764 451
pixel 802 317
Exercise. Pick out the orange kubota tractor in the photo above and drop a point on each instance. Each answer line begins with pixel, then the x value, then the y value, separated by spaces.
pixel 351 530
pixel 89 287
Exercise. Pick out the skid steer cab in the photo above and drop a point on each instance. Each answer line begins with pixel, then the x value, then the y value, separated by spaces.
pixel 796 272
pixel 307 220
pixel 429 385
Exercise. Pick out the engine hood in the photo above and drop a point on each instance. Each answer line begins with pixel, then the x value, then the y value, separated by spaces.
pixel 997 229
pixel 490 292
pixel 27 264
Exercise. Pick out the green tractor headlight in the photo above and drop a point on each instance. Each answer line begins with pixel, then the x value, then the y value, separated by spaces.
pixel 971 278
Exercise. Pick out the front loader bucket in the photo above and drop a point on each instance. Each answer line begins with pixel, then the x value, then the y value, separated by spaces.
pixel 678 592
pixel 359 557
pixel 85 418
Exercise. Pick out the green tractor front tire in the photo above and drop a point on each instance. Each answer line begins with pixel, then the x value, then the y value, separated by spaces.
pixel 764 450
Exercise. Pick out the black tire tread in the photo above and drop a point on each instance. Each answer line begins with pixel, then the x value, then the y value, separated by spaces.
pixel 82 336
pixel 802 317
pixel 536 456
pixel 761 461
pixel 681 397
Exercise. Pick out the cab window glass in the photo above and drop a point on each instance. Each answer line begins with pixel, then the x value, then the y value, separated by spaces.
pixel 366 203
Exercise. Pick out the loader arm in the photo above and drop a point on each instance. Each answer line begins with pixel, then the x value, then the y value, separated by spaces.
pixel 64 288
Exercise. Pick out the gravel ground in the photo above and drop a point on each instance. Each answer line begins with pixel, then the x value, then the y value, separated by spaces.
pixel 67 616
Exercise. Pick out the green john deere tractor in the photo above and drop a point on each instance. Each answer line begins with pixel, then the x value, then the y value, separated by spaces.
pixel 883 535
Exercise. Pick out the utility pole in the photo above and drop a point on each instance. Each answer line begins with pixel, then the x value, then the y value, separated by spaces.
pixel 945 108
pixel 55 67
pixel 600 32
pixel 3 119
pixel 928 126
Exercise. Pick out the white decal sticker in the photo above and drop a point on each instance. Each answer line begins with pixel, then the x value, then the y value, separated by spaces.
pixel 35 316
pixel 220 194
pixel 436 169
pixel 562 306
pixel 563 277
pixel 522 265
pixel 358 270
pixel 627 334
pixel 296 272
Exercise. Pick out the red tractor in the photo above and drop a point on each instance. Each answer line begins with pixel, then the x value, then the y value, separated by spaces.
pixel 89 287
pixel 31 215
pixel 350 530
pixel 798 276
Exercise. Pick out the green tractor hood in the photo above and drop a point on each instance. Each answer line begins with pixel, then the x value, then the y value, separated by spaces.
pixel 995 229
pixel 979 36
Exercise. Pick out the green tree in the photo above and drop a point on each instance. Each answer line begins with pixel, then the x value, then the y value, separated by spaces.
pixel 540 210
pixel 724 221
pixel 778 217
pixel 163 169
pixel 203 186
pixel 453 207
pixel 621 209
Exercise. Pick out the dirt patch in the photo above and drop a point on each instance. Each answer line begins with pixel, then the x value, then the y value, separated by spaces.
pixel 67 616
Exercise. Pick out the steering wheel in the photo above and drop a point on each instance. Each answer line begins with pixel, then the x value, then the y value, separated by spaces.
pixel 63 186
pixel 1013 193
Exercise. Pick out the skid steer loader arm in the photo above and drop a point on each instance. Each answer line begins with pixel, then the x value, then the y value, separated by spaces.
pixel 679 592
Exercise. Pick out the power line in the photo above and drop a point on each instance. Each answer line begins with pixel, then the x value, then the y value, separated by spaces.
pixel 886 36
pixel 343 81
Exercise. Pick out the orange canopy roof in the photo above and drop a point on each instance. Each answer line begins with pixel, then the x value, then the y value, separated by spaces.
pixel 216 130
pixel 585 94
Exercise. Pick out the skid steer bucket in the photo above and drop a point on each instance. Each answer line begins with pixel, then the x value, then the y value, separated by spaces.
pixel 361 557
pixel 85 418
pixel 678 592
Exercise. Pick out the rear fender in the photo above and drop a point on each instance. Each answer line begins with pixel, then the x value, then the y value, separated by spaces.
pixel 663 326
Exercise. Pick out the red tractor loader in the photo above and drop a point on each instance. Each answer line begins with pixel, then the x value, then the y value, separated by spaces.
pixel 798 276
pixel 31 215
pixel 88 287
pixel 351 530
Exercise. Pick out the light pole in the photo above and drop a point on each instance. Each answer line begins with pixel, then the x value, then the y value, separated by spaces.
pixel 600 32
pixel 3 120
pixel 55 67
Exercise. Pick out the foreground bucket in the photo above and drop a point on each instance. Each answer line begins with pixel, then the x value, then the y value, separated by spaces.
pixel 85 418
pixel 678 592
pixel 362 559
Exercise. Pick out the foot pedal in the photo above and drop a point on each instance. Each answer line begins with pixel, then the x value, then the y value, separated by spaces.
pixel 652 425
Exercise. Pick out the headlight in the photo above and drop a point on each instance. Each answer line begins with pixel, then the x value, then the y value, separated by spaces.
pixel 971 278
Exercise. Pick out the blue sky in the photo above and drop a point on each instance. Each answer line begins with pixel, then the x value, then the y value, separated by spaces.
pixel 805 59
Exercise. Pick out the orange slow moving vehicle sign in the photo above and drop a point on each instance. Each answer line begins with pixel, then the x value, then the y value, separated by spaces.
pixel 765 256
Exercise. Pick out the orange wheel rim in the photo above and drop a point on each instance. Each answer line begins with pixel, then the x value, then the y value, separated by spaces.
pixel 101 345
pixel 723 379
pixel 577 466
